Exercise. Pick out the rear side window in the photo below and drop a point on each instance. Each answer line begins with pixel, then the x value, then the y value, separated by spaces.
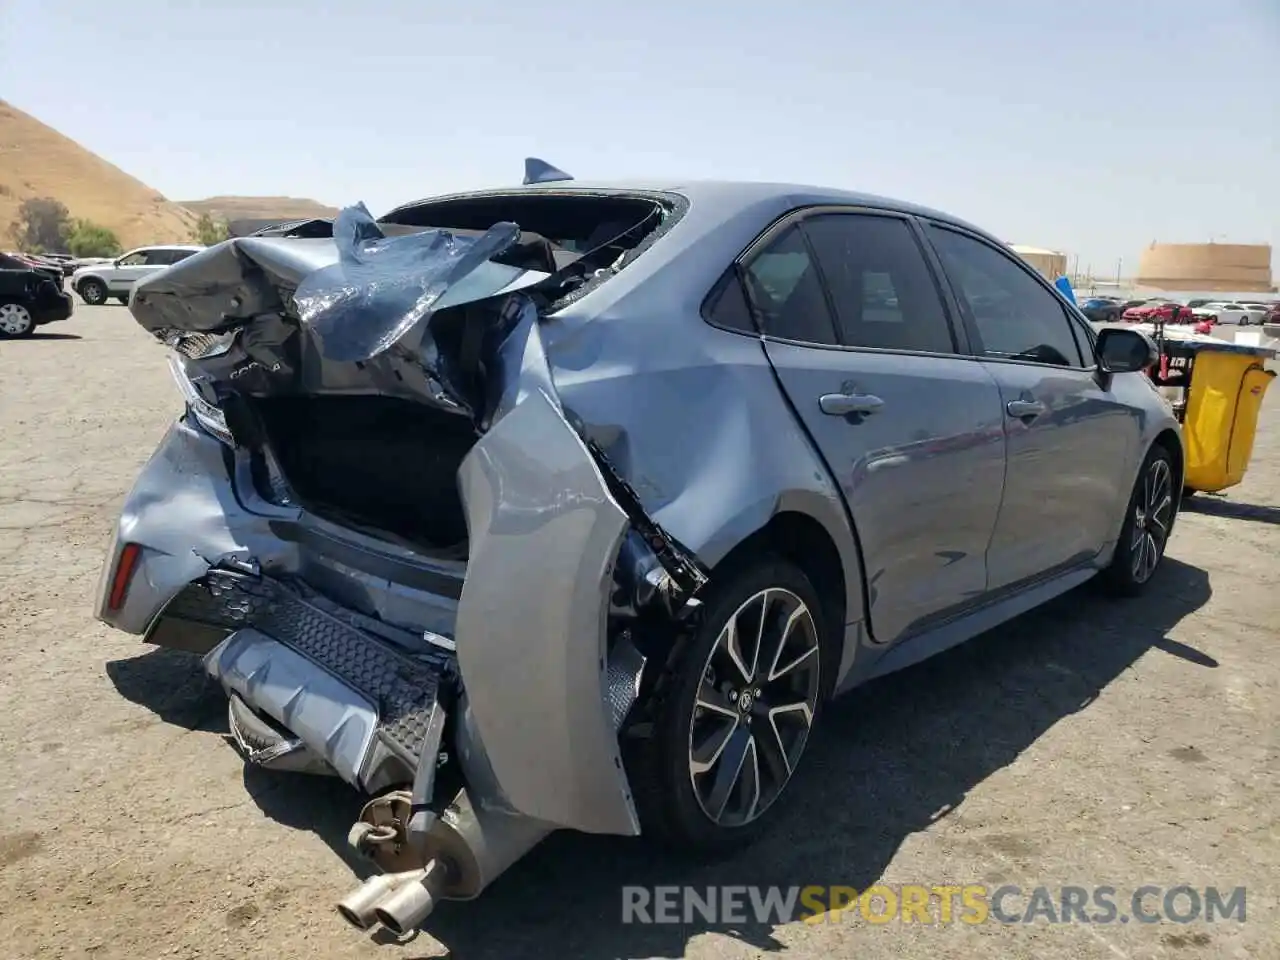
pixel 727 305
pixel 786 292
pixel 1016 317
pixel 883 293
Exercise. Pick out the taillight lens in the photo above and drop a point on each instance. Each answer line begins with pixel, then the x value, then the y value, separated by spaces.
pixel 126 566
pixel 208 416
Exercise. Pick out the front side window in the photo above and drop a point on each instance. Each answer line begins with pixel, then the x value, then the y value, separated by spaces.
pixel 883 292
pixel 1016 317
pixel 136 259
pixel 786 292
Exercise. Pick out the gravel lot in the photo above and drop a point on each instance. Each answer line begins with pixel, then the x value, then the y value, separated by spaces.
pixel 1089 743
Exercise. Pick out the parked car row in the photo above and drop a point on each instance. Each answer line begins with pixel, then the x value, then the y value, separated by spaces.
pixel 1195 311
pixel 1234 312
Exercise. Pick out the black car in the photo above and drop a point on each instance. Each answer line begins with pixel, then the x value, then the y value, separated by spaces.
pixel 1102 309
pixel 29 297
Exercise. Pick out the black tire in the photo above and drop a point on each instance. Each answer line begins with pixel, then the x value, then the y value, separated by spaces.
pixel 662 766
pixel 93 292
pixel 1148 522
pixel 16 320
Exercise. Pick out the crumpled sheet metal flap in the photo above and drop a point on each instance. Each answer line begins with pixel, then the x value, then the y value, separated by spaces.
pixel 356 294
pixel 238 278
pixel 382 286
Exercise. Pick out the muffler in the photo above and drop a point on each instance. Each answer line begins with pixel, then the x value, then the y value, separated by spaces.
pixel 467 848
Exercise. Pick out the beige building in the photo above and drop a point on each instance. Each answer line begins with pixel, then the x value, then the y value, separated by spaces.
pixel 1048 263
pixel 1234 267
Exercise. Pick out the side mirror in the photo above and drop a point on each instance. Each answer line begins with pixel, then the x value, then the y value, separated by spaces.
pixel 1125 351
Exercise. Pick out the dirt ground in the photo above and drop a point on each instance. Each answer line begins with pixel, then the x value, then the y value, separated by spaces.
pixel 1089 743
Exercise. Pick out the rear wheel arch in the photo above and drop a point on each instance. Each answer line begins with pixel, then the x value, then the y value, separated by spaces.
pixel 805 541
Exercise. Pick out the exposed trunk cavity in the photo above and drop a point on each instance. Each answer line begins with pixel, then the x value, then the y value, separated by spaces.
pixel 374 462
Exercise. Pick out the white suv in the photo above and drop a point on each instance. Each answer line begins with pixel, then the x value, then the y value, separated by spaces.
pixel 115 278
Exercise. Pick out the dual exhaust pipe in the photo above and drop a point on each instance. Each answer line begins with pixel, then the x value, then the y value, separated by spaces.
pixel 398 901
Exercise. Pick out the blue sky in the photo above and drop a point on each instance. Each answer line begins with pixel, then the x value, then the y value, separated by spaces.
pixel 1091 126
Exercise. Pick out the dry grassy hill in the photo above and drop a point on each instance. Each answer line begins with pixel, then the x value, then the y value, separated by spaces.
pixel 260 208
pixel 38 161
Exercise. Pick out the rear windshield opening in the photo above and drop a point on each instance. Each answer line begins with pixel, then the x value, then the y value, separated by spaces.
pixel 590 231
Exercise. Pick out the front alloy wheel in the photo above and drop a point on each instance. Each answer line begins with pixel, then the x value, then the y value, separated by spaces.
pixel 1147 525
pixel 16 320
pixel 1152 518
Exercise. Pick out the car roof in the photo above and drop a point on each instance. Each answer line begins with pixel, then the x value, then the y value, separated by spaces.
pixel 728 194
pixel 167 246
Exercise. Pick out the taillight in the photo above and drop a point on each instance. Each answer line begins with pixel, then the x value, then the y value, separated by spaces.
pixel 126 566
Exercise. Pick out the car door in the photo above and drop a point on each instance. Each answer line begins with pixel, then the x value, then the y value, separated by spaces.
pixel 128 270
pixel 863 347
pixel 1070 441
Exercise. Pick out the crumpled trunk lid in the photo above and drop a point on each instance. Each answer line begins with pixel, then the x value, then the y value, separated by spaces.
pixel 282 315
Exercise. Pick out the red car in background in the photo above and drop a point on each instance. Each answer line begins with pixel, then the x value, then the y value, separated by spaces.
pixel 1157 312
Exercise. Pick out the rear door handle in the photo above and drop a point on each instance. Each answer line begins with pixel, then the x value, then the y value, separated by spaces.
pixel 843 404
pixel 1025 408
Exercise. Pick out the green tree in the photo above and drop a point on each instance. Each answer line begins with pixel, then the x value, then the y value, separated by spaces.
pixel 209 231
pixel 42 226
pixel 87 239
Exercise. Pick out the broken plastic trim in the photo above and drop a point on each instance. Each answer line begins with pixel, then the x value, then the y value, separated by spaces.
pixel 681 566
pixel 382 286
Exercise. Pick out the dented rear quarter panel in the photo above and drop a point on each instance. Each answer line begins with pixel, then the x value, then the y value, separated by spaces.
pixel 691 415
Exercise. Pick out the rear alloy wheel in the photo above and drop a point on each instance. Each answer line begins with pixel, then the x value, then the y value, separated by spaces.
pixel 1147 525
pixel 93 292
pixel 754 707
pixel 16 320
pixel 734 712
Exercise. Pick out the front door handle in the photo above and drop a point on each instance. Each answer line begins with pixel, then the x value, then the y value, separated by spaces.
pixel 844 404
pixel 1025 408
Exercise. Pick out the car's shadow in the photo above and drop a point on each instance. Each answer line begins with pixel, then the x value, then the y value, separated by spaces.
pixel 891 759
pixel 1231 509
pixel 38 335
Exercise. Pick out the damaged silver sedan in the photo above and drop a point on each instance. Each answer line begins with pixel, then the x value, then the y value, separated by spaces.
pixel 563 506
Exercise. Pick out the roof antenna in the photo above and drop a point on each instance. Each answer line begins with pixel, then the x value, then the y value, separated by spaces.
pixel 539 171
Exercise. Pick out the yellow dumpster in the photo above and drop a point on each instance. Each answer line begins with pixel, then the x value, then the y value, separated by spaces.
pixel 1227 384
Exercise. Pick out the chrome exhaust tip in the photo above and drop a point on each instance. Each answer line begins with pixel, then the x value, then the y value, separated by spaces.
pixel 404 910
pixel 358 907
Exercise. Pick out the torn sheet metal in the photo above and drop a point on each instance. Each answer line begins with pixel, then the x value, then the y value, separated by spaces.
pixel 381 286
pixel 276 315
